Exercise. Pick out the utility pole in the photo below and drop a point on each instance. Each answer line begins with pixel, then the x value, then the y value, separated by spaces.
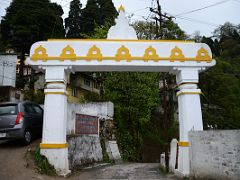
pixel 160 19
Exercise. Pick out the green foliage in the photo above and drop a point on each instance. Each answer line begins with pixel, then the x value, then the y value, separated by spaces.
pixel 73 21
pixel 35 96
pixel 97 13
pixel 134 96
pixel 28 21
pixel 147 30
pixel 221 88
pixel 99 32
pixel 106 158
pixel 91 96
pixel 221 83
pixel 43 165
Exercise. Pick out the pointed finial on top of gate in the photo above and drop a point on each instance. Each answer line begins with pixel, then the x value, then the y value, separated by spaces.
pixel 121 8
pixel 122 29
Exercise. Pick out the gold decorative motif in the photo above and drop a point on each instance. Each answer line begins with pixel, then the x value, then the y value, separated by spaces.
pixel 183 93
pixel 68 53
pixel 121 8
pixel 40 53
pixel 177 54
pixel 61 93
pixel 53 146
pixel 202 55
pixel 123 54
pixel 94 53
pixel 150 54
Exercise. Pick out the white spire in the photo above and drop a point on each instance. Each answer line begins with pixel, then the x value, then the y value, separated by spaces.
pixel 122 29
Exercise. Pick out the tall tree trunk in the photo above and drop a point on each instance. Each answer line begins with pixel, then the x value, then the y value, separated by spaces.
pixel 21 66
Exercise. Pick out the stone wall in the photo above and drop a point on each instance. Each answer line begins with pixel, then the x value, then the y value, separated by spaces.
pixel 215 154
pixel 84 150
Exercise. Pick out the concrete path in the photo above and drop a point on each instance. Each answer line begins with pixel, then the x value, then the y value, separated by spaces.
pixel 132 171
pixel 17 163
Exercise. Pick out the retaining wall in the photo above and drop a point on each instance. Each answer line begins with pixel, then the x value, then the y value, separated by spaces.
pixel 215 154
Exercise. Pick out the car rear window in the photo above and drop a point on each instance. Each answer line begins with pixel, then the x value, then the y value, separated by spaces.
pixel 8 109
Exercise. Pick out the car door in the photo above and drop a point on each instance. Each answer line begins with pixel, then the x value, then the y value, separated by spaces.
pixel 30 117
pixel 38 118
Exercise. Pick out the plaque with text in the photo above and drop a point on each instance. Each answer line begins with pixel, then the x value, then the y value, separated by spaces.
pixel 86 124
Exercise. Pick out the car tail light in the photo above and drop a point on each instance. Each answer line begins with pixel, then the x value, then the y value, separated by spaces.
pixel 19 118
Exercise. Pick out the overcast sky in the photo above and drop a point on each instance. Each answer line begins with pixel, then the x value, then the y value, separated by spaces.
pixel 207 15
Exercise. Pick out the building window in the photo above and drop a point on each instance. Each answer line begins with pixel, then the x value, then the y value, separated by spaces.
pixel 96 85
pixel 86 82
pixel 74 92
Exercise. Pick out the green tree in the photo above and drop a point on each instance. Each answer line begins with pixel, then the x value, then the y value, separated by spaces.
pixel 28 21
pixel 134 96
pixel 108 12
pixel 221 83
pixel 97 13
pixel 147 30
pixel 73 21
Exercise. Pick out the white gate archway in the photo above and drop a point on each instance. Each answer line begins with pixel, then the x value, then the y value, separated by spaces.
pixel 120 52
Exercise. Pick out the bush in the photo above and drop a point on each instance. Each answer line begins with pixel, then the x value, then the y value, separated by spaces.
pixel 43 165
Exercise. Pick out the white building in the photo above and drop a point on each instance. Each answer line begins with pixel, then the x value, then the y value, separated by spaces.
pixel 8 69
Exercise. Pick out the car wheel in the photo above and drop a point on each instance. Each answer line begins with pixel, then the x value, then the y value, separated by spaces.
pixel 27 137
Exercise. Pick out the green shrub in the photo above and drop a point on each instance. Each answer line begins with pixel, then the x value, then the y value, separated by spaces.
pixel 43 165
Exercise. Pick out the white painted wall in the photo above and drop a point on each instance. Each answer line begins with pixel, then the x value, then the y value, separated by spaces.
pixel 103 110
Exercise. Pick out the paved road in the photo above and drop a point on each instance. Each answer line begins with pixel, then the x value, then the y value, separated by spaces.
pixel 16 163
pixel 132 171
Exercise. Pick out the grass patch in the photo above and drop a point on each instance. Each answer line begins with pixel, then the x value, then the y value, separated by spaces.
pixel 42 164
pixel 163 170
pixel 106 158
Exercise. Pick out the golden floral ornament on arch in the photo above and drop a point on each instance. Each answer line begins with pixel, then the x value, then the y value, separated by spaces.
pixel 68 53
pixel 40 53
pixel 121 8
pixel 202 55
pixel 177 54
pixel 150 54
pixel 123 54
pixel 94 53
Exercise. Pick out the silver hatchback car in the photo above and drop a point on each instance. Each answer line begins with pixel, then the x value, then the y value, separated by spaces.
pixel 22 120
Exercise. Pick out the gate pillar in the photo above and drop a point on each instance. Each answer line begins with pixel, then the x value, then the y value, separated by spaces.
pixel 190 114
pixel 54 145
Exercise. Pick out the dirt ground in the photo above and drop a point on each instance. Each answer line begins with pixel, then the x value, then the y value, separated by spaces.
pixel 17 163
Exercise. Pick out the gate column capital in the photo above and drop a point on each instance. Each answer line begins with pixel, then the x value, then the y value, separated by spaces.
pixel 56 73
pixel 187 74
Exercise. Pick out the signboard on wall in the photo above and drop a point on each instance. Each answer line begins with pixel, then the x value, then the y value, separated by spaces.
pixel 8 70
pixel 86 124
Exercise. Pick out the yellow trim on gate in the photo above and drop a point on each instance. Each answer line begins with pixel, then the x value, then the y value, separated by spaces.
pixel 183 143
pixel 119 40
pixel 123 53
pixel 53 146
pixel 187 83
pixel 62 93
pixel 182 93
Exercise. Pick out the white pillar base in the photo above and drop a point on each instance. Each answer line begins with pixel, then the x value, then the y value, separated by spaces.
pixel 59 159
pixel 183 160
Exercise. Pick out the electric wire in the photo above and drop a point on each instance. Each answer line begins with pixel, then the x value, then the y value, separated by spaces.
pixel 205 7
